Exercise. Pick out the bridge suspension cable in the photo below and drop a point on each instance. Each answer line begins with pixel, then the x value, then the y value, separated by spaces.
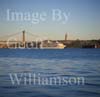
pixel 10 35
pixel 34 36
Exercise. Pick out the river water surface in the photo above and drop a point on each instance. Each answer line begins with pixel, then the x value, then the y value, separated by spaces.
pixel 63 63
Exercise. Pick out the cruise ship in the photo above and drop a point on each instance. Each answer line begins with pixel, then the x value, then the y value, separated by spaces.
pixel 52 45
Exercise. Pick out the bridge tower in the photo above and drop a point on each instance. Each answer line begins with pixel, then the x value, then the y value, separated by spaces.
pixel 23 38
pixel 66 37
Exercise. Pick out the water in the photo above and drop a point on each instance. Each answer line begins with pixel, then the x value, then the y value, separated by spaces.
pixel 63 63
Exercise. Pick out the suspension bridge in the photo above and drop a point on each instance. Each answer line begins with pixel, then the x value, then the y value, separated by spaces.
pixel 21 39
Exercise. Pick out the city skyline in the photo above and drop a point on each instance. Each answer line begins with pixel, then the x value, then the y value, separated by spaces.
pixel 82 18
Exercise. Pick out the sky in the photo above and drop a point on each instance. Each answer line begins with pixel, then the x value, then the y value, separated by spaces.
pixel 82 22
